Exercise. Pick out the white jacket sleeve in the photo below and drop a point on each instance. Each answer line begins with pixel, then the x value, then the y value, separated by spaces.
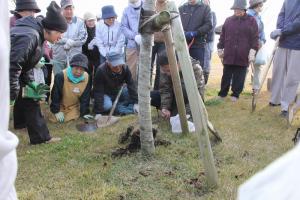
pixel 119 47
pixel 8 141
pixel 82 35
pixel 99 40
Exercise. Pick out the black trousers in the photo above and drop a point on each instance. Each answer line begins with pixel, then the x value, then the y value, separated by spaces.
pixel 233 75
pixel 27 114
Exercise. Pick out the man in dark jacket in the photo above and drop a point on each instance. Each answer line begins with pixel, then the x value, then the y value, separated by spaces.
pixel 286 70
pixel 110 77
pixel 27 39
pixel 70 95
pixel 197 23
pixel 237 48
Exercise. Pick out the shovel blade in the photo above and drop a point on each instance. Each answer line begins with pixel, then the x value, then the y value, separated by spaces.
pixel 105 121
pixel 86 127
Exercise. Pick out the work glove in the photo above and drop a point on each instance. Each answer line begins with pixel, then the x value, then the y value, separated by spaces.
pixel 136 108
pixel 41 63
pixel 28 92
pixel 88 117
pixel 251 56
pixel 221 53
pixel 60 117
pixel 97 116
pixel 276 33
pixel 190 34
pixel 69 44
pixel 138 39
pixel 42 89
pixel 33 85
pixel 92 44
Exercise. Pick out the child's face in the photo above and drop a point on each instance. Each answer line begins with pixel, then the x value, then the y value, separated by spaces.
pixel 77 71
pixel 110 21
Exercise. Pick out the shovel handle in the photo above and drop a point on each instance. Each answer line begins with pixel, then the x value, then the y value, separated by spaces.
pixel 112 110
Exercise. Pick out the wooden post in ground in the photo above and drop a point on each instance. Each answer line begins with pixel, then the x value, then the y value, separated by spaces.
pixel 176 79
pixel 195 101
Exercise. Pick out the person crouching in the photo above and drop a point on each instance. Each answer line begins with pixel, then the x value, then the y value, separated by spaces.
pixel 70 95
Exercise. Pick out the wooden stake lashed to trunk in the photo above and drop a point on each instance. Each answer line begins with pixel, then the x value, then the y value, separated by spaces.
pixel 176 79
pixel 195 101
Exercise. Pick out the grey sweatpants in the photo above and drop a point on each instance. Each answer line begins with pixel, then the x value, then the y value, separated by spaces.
pixel 285 77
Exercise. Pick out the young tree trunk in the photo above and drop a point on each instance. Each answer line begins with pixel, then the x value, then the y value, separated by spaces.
pixel 145 121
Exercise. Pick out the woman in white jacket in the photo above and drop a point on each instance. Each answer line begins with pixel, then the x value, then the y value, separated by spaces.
pixel 109 36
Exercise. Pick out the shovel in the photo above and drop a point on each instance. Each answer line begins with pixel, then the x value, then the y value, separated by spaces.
pixel 255 96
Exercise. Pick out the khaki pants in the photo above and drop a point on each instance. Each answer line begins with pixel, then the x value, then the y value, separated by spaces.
pixel 132 57
pixel 285 77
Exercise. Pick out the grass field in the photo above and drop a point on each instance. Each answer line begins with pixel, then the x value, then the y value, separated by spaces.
pixel 81 166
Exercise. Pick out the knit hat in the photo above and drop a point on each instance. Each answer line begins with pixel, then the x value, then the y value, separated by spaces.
pixel 66 3
pixel 89 16
pixel 27 5
pixel 239 4
pixel 108 12
pixel 79 60
pixel 115 59
pixel 254 3
pixel 54 19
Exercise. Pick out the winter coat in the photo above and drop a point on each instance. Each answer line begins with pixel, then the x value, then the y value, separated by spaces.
pixel 77 32
pixel 13 19
pixel 130 25
pixel 211 34
pixel 27 39
pixel 289 23
pixel 93 55
pixel 109 38
pixel 57 94
pixel 168 100
pixel 260 24
pixel 108 83
pixel 196 18
pixel 239 35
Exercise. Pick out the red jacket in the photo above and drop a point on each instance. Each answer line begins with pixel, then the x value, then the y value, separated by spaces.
pixel 239 35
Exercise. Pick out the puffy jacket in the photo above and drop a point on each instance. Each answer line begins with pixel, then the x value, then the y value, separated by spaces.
pixel 109 38
pixel 130 25
pixel 77 32
pixel 27 40
pixel 196 18
pixel 13 19
pixel 289 22
pixel 168 100
pixel 239 35
pixel 260 24
pixel 93 55
pixel 106 82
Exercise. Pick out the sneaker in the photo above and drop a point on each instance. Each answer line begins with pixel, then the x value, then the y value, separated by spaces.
pixel 54 140
pixel 234 99
pixel 284 114
pixel 274 104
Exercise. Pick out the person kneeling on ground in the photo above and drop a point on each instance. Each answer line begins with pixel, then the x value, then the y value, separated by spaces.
pixel 70 95
pixel 166 94
pixel 109 78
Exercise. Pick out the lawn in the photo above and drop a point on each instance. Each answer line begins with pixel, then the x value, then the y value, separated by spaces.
pixel 81 165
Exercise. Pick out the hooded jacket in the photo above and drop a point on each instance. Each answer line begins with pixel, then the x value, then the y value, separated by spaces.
pixel 130 24
pixel 27 40
pixel 289 23
pixel 109 38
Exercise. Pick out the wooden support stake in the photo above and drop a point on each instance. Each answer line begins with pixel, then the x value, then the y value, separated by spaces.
pixel 176 79
pixel 196 103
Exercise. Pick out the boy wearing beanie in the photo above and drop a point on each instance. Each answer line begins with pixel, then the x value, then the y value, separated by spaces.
pixel 27 39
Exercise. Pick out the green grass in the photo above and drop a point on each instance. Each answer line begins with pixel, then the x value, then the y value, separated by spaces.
pixel 81 166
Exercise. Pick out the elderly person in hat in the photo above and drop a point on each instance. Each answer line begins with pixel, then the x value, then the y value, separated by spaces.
pixel 70 95
pixel 286 70
pixel 27 39
pixel 254 11
pixel 129 26
pixel 109 78
pixel 24 8
pixel 236 54
pixel 109 35
pixel 90 48
pixel 72 40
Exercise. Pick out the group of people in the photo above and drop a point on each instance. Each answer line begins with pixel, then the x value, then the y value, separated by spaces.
pixel 93 59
